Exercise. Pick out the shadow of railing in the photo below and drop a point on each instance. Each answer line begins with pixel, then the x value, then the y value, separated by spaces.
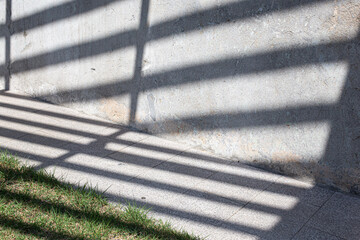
pixel 337 113
pixel 33 137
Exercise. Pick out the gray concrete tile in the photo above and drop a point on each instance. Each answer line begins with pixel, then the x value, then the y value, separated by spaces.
pixel 135 164
pixel 136 160
pixel 160 143
pixel 229 234
pixel 150 144
pixel 141 159
pixel 148 193
pixel 156 185
pixel 274 214
pixel 339 216
pixel 94 147
pixel 6 142
pixel 211 205
pixel 10 134
pixel 79 168
pixel 62 132
pixel 237 182
pixel 100 146
pixel 178 173
pixel 183 213
pixel 127 136
pixel 253 172
pixel 175 175
pixel 22 100
pixel 206 229
pixel 44 139
pixel 177 212
pixel 201 229
pixel 305 192
pixel 31 153
pixel 269 222
pixel 310 233
pixel 103 146
pixel 24 122
pixel 199 159
pixel 14 130
pixel 125 139
pixel 172 207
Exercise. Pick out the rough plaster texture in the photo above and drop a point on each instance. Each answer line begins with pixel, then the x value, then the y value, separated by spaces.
pixel 272 83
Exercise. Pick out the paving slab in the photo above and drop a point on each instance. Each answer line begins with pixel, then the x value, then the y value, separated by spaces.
pixel 237 182
pixel 18 100
pixel 274 216
pixel 23 122
pixel 304 192
pixel 198 159
pixel 129 137
pixel 193 189
pixel 311 233
pixel 137 159
pixel 340 216
pixel 83 169
pixel 32 153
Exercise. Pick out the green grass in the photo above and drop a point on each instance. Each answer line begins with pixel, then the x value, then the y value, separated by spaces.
pixel 35 205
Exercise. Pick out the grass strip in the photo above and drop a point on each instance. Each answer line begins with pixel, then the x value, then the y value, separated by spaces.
pixel 36 205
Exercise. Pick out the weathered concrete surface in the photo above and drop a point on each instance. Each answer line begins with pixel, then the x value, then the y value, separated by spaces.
pixel 4 33
pixel 194 190
pixel 272 83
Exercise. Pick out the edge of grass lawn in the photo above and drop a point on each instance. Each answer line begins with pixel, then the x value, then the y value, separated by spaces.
pixel 36 205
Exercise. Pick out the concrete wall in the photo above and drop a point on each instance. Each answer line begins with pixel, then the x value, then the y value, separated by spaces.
pixel 4 36
pixel 273 83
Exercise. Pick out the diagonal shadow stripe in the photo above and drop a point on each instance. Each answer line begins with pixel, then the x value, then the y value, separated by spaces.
pixel 99 46
pixel 112 140
pixel 56 13
pixel 160 209
pixel 232 179
pixel 190 22
pixel 210 71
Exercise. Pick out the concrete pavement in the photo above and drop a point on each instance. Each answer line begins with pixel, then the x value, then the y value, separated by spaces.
pixel 194 190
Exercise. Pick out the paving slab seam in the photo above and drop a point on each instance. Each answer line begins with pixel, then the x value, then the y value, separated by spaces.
pixel 205 179
pixel 214 172
pixel 197 191
pixel 332 234
pixel 111 139
pixel 163 161
pixel 250 201
pixel 187 190
pixel 166 160
pixel 71 153
pixel 319 207
pixel 208 219
pixel 75 152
